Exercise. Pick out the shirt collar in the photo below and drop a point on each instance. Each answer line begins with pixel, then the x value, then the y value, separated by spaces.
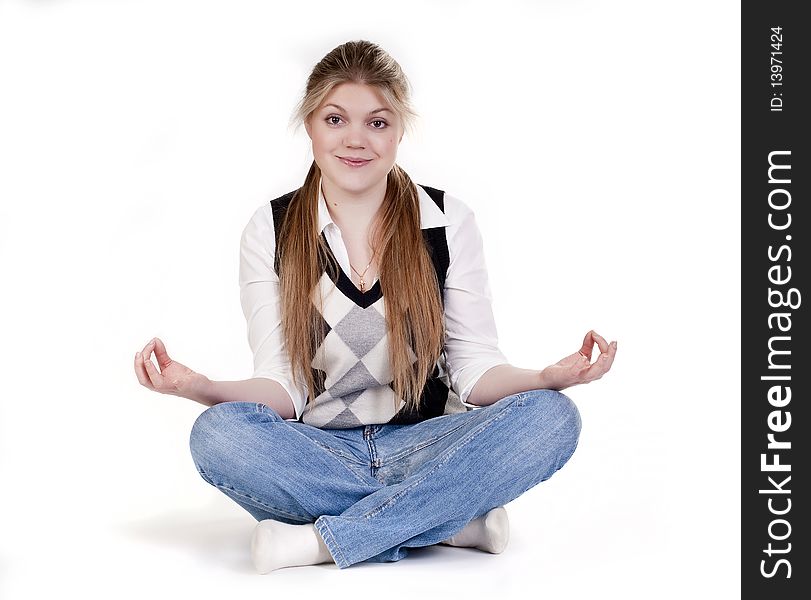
pixel 430 214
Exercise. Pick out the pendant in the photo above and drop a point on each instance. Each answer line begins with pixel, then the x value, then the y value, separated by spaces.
pixel 362 284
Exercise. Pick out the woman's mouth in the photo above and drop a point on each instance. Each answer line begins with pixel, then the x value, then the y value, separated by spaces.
pixel 354 162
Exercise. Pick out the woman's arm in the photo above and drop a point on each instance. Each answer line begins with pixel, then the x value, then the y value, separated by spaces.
pixel 258 389
pixel 261 304
pixel 502 381
pixel 471 338
pixel 175 378
pixel 505 380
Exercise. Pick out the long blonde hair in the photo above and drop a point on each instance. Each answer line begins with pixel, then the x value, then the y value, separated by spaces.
pixel 408 281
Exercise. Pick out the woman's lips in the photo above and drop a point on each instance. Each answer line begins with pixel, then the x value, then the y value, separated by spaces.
pixel 354 163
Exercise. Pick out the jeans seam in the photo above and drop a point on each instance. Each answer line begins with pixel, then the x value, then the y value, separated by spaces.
pixel 330 542
pixel 378 509
pixel 263 504
pixel 518 400
pixel 337 456
pixel 346 468
pixel 424 444
pixel 348 457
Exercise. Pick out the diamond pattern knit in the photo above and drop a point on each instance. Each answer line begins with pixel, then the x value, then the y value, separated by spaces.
pixel 351 368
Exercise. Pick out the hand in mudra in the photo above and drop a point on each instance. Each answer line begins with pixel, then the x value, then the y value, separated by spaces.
pixel 171 377
pixel 577 368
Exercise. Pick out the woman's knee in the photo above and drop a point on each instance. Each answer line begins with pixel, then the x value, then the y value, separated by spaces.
pixel 214 427
pixel 557 413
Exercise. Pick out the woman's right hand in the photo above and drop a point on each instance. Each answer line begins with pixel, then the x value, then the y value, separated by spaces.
pixel 173 377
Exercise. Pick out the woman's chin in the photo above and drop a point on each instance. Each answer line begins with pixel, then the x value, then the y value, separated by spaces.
pixel 357 183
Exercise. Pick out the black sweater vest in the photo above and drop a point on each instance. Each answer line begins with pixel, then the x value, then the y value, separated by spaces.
pixel 353 380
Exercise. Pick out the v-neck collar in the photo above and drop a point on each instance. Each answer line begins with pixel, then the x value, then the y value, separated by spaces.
pixel 430 216
pixel 350 290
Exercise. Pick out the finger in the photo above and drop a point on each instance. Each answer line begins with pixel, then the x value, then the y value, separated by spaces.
pixel 147 351
pixel 588 344
pixel 602 364
pixel 600 341
pixel 149 367
pixel 612 352
pixel 154 375
pixel 140 373
pixel 160 352
pixel 148 348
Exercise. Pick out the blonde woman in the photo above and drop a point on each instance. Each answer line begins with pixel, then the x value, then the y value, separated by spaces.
pixel 381 415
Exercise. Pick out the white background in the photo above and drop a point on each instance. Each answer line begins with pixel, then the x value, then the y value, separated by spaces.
pixel 598 144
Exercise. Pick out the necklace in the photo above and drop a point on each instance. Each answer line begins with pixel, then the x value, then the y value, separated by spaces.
pixel 362 282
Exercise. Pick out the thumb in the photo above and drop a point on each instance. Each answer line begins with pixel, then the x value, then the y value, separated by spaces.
pixel 160 352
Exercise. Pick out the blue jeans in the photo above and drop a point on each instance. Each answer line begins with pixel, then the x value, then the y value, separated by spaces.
pixel 374 491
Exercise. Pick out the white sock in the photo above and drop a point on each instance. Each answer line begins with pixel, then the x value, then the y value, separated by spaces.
pixel 489 532
pixel 275 545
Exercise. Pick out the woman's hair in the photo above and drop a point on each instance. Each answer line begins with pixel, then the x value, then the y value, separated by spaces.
pixel 414 314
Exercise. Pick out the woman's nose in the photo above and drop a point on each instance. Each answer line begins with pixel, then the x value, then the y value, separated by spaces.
pixel 354 137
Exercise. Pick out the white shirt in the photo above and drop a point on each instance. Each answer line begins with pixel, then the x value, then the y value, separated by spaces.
pixel 471 339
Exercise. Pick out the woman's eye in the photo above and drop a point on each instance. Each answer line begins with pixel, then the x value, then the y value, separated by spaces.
pixel 330 121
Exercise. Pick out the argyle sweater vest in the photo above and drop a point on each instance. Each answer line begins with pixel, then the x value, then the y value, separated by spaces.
pixel 351 368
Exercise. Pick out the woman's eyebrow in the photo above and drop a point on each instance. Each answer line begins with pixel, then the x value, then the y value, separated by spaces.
pixel 371 112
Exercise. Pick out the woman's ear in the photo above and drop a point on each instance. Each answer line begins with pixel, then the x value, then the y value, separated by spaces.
pixel 307 127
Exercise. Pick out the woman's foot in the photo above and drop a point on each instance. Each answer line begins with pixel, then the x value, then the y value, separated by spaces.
pixel 275 545
pixel 490 532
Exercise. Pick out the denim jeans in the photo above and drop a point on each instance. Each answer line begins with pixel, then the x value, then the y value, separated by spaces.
pixel 374 491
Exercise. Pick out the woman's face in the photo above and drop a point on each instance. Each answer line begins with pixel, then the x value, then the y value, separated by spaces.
pixel 354 122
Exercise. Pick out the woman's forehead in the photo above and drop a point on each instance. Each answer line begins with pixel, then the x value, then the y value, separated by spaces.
pixel 357 97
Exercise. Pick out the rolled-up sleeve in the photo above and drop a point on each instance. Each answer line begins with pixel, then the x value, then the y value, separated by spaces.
pixel 471 339
pixel 259 296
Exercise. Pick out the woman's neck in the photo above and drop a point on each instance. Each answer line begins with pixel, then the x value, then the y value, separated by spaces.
pixel 353 213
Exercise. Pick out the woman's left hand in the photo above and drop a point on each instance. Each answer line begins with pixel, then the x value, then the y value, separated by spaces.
pixel 577 368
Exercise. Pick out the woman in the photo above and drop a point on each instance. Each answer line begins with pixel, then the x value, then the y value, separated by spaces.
pixel 381 415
